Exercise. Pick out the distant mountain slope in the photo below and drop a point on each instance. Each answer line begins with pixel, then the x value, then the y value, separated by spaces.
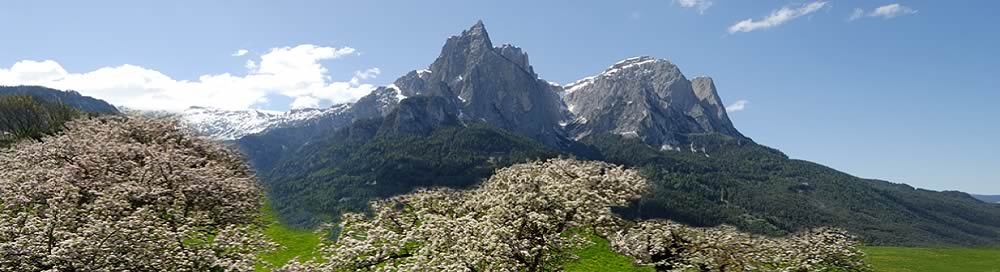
pixel 417 145
pixel 234 124
pixel 988 198
pixel 70 98
pixel 719 179
pixel 479 107
pixel 267 148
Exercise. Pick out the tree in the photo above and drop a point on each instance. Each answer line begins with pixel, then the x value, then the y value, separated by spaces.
pixel 530 217
pixel 670 246
pixel 24 117
pixel 518 220
pixel 126 194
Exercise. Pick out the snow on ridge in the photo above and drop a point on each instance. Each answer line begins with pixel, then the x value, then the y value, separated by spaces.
pixel 399 92
pixel 233 124
pixel 612 70
pixel 576 85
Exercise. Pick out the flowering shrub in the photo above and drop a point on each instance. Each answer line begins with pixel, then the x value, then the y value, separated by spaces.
pixel 670 246
pixel 515 221
pixel 523 219
pixel 117 194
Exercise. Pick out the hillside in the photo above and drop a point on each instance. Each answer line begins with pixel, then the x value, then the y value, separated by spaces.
pixel 456 122
pixel 69 98
pixel 382 157
pixel 988 198
pixel 737 182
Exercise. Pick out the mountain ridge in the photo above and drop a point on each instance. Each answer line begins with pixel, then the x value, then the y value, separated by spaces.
pixel 70 98
pixel 675 130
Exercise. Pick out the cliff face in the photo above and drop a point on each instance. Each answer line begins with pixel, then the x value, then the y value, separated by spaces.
pixel 649 99
pixel 496 85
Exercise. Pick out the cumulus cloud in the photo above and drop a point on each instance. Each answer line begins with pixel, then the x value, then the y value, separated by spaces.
pixel 296 72
pixel 776 18
pixel 700 5
pixel 892 11
pixel 240 52
pixel 737 106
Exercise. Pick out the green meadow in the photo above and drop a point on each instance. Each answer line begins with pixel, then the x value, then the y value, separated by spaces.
pixel 906 259
pixel 304 244
pixel 292 242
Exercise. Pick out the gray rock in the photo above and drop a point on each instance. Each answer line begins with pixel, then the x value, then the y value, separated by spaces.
pixel 496 85
pixel 646 98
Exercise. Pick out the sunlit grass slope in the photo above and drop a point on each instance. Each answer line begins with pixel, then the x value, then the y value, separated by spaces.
pixel 292 242
pixel 904 259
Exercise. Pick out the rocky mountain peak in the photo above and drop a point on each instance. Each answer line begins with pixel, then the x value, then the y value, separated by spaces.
pixel 647 98
pixel 462 51
pixel 496 85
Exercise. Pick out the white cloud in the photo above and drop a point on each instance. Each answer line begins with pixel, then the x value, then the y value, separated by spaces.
pixel 291 71
pixel 240 52
pixel 886 12
pixel 701 5
pixel 739 105
pixel 891 11
pixel 776 18
pixel 856 14
pixel 305 102
pixel 366 74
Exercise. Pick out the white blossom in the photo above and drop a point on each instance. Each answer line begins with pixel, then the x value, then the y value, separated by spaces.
pixel 117 194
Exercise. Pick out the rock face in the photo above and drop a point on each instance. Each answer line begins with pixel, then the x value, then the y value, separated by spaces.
pixel 420 115
pixel 473 81
pixel 646 98
pixel 496 85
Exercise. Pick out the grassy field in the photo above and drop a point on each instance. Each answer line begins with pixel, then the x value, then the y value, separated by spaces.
pixel 599 257
pixel 293 242
pixel 902 259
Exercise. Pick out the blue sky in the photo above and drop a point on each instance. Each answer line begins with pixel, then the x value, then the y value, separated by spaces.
pixel 906 93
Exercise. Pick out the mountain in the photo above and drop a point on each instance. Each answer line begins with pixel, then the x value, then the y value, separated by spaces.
pixel 496 85
pixel 69 98
pixel 479 107
pixel 720 179
pixel 646 98
pixel 234 124
pixel 419 144
pixel 988 198
pixel 268 147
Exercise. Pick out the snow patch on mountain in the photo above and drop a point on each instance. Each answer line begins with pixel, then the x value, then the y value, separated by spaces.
pixel 233 124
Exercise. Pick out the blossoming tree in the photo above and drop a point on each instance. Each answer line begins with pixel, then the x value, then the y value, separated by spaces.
pixel 529 217
pixel 126 194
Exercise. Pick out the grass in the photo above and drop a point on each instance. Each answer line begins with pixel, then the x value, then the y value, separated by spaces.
pixel 304 244
pixel 904 259
pixel 599 257
pixel 293 242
